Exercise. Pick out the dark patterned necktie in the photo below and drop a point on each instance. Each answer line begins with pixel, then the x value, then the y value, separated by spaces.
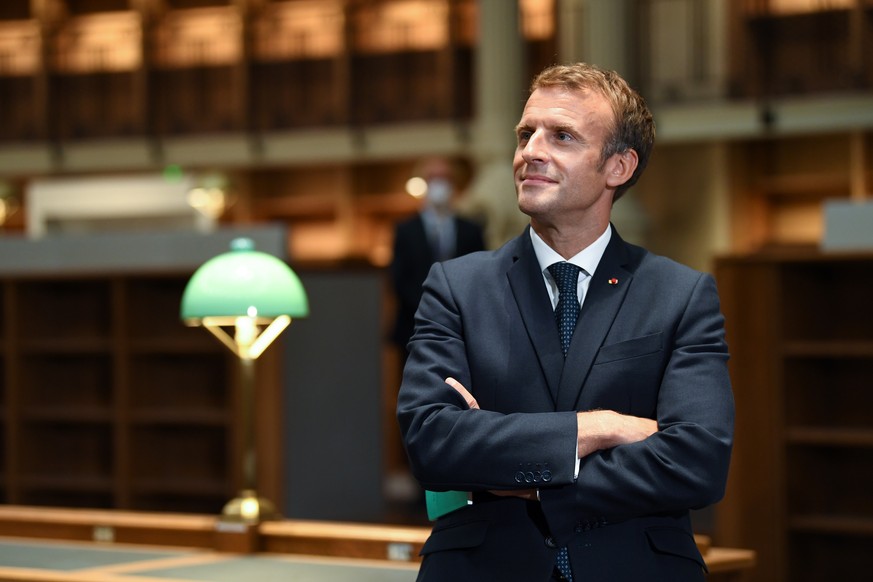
pixel 566 275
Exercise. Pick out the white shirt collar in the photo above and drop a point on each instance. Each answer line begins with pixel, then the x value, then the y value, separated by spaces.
pixel 588 258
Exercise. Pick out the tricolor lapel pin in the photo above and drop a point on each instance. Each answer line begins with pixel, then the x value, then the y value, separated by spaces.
pixel 613 281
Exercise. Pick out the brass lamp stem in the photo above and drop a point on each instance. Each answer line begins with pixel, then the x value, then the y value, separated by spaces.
pixel 248 507
pixel 247 388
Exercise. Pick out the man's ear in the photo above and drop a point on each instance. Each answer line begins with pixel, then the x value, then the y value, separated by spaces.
pixel 620 167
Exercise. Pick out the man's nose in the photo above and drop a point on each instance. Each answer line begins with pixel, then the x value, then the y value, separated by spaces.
pixel 534 150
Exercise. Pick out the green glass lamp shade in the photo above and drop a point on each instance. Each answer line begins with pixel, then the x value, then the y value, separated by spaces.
pixel 243 282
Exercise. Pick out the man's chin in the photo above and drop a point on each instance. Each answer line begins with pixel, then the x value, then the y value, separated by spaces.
pixel 530 204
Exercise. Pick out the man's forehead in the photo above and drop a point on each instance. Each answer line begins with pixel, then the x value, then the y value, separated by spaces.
pixel 570 104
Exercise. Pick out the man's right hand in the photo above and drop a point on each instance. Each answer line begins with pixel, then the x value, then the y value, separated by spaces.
pixel 604 429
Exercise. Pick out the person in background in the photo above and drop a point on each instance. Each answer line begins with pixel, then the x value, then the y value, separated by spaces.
pixel 574 384
pixel 435 234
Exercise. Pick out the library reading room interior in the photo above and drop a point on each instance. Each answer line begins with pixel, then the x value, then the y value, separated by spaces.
pixel 160 159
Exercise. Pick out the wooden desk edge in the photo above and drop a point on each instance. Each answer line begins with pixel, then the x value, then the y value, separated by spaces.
pixel 316 538
pixel 729 559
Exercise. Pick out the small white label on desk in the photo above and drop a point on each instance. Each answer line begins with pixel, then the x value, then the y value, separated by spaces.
pixel 228 527
pixel 399 552
pixel 103 533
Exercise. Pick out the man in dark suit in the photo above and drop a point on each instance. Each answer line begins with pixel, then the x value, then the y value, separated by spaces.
pixel 436 233
pixel 584 445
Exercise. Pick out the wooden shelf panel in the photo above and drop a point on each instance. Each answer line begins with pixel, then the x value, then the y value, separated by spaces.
pixel 199 341
pixel 66 482
pixel 194 503
pixel 196 382
pixel 832 524
pixel 186 417
pixel 828 349
pixel 833 437
pixel 151 311
pixel 169 486
pixel 200 454
pixel 75 310
pixel 2 313
pixel 66 449
pixel 299 207
pixel 82 345
pixel 66 498
pixel 65 386
pixel 75 415
pixel 830 392
pixel 832 478
pixel 831 549
pixel 815 185
pixel 796 11
pixel 827 303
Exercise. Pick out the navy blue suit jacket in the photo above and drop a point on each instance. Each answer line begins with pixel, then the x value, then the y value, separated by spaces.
pixel 649 342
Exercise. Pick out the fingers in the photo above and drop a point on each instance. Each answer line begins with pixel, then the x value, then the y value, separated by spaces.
pixel 468 398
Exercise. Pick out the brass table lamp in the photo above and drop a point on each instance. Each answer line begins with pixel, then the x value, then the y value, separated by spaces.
pixel 245 298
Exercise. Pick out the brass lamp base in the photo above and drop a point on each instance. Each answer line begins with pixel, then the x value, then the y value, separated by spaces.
pixel 249 508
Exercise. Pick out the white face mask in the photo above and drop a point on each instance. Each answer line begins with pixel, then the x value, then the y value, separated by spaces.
pixel 439 192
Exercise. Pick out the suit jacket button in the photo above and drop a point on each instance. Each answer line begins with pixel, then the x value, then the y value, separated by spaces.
pixel 547 476
pixel 519 477
pixel 550 542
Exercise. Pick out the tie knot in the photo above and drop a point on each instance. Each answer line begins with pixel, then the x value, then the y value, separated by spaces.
pixel 566 275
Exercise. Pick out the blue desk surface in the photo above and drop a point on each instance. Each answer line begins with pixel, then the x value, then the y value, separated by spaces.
pixel 72 562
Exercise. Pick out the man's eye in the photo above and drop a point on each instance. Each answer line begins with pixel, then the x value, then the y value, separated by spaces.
pixel 564 136
pixel 523 136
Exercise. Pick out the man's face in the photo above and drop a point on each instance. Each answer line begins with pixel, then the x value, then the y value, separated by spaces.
pixel 559 177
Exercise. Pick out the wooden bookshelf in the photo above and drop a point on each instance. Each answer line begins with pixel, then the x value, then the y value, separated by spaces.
pixel 794 48
pixel 782 185
pixel 108 401
pixel 800 328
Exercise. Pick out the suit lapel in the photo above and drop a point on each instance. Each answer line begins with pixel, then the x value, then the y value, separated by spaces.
pixel 525 280
pixel 605 295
